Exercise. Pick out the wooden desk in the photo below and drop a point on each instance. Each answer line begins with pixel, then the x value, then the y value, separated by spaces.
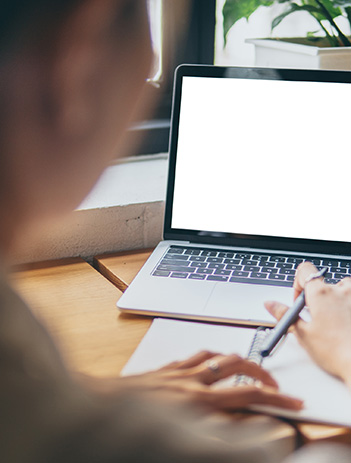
pixel 121 268
pixel 78 305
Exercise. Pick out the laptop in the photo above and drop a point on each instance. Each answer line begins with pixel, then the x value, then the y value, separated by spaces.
pixel 258 182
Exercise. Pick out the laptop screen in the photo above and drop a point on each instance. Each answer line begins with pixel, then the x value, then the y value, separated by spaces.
pixel 263 157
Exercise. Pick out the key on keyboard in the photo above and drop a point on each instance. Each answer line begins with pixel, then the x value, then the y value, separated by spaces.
pixel 238 267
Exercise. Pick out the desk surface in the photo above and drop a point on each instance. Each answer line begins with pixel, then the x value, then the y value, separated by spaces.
pixel 121 268
pixel 78 305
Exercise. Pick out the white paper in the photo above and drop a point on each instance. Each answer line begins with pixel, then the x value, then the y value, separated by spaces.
pixel 326 399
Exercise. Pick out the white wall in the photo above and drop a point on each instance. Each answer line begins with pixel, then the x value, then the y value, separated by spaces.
pixel 124 211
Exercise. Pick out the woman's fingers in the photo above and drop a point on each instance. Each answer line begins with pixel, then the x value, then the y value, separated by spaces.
pixel 313 288
pixel 210 367
pixel 344 283
pixel 304 270
pixel 243 396
pixel 300 328
pixel 191 362
pixel 276 309
pixel 224 366
pixel 191 380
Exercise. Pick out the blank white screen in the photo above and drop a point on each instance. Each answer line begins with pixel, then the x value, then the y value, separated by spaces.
pixel 263 157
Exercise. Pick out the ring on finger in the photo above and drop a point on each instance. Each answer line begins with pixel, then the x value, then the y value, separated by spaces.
pixel 315 276
pixel 213 366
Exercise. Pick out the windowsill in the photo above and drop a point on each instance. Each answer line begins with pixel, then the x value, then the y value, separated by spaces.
pixel 124 211
pixel 132 181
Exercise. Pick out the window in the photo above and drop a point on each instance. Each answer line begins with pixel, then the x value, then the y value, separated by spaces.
pixel 182 32
pixel 239 53
pixel 155 9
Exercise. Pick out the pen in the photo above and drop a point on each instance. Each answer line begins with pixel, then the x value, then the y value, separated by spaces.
pixel 288 319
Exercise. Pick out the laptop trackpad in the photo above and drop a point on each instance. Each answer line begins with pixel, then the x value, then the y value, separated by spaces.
pixel 245 301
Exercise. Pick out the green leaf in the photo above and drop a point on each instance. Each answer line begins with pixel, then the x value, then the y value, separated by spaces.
pixel 233 10
pixel 294 7
pixel 311 7
pixel 329 5
pixel 342 3
pixel 312 35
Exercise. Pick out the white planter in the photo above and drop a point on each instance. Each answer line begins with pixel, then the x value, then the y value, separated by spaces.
pixel 280 54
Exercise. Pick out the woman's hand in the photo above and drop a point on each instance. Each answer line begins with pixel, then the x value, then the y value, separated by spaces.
pixel 327 337
pixel 190 382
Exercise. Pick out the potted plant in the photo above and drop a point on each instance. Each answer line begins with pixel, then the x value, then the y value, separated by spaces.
pixel 330 51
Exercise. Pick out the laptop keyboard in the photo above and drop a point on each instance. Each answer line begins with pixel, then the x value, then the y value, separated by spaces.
pixel 241 267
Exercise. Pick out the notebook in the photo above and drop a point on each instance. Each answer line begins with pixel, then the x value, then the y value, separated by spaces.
pixel 258 182
pixel 326 399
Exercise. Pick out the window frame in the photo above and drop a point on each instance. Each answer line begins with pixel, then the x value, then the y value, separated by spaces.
pixel 196 46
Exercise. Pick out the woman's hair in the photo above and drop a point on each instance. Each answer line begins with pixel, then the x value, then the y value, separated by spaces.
pixel 23 22
pixel 26 23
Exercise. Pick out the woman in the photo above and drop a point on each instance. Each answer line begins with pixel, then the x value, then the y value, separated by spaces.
pixel 72 77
